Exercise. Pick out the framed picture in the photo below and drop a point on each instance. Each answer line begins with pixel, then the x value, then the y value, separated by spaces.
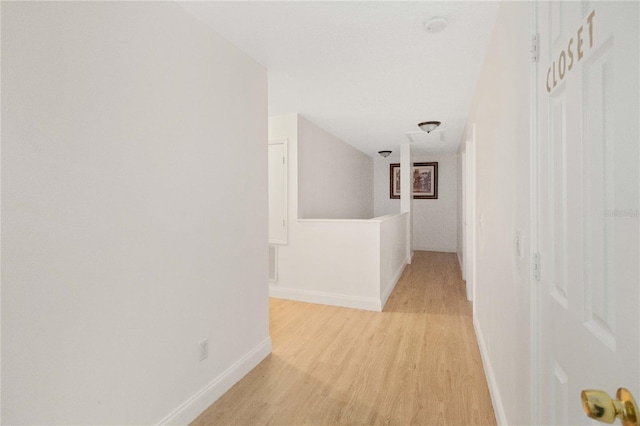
pixel 425 180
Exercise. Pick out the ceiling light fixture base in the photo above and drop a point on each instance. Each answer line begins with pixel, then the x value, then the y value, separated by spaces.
pixel 429 126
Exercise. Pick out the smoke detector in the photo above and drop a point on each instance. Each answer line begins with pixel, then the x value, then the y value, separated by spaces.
pixel 435 25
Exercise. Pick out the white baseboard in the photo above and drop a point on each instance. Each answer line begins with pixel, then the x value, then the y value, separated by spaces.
pixel 438 249
pixel 496 400
pixel 194 406
pixel 333 299
pixel 392 284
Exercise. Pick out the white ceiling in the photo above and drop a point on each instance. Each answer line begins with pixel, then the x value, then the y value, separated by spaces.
pixel 365 71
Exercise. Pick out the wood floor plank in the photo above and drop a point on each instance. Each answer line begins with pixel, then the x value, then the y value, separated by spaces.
pixel 415 363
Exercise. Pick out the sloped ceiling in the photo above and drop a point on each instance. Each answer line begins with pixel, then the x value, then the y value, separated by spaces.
pixel 367 72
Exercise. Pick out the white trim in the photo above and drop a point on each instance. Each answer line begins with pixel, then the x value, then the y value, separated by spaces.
pixel 534 290
pixel 201 400
pixel 377 219
pixel 392 284
pixel 471 257
pixel 498 408
pixel 469 221
pixel 437 249
pixel 462 251
pixel 333 299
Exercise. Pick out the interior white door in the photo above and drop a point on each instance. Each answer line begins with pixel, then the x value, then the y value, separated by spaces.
pixel 588 201
pixel 278 192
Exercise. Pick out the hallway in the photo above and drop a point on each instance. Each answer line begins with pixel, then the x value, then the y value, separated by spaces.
pixel 415 363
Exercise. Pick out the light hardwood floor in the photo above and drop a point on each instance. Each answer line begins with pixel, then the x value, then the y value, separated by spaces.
pixel 415 363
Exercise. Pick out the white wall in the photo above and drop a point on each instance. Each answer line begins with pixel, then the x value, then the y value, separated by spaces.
pixel 434 221
pixel 394 254
pixel 335 180
pixel 332 261
pixel 126 240
pixel 500 111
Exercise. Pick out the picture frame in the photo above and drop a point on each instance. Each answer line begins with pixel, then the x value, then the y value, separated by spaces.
pixel 425 181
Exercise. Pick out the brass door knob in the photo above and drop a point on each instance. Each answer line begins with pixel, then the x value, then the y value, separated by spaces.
pixel 600 406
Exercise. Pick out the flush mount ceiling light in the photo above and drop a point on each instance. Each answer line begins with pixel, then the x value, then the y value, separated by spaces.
pixel 435 25
pixel 429 126
pixel 384 154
